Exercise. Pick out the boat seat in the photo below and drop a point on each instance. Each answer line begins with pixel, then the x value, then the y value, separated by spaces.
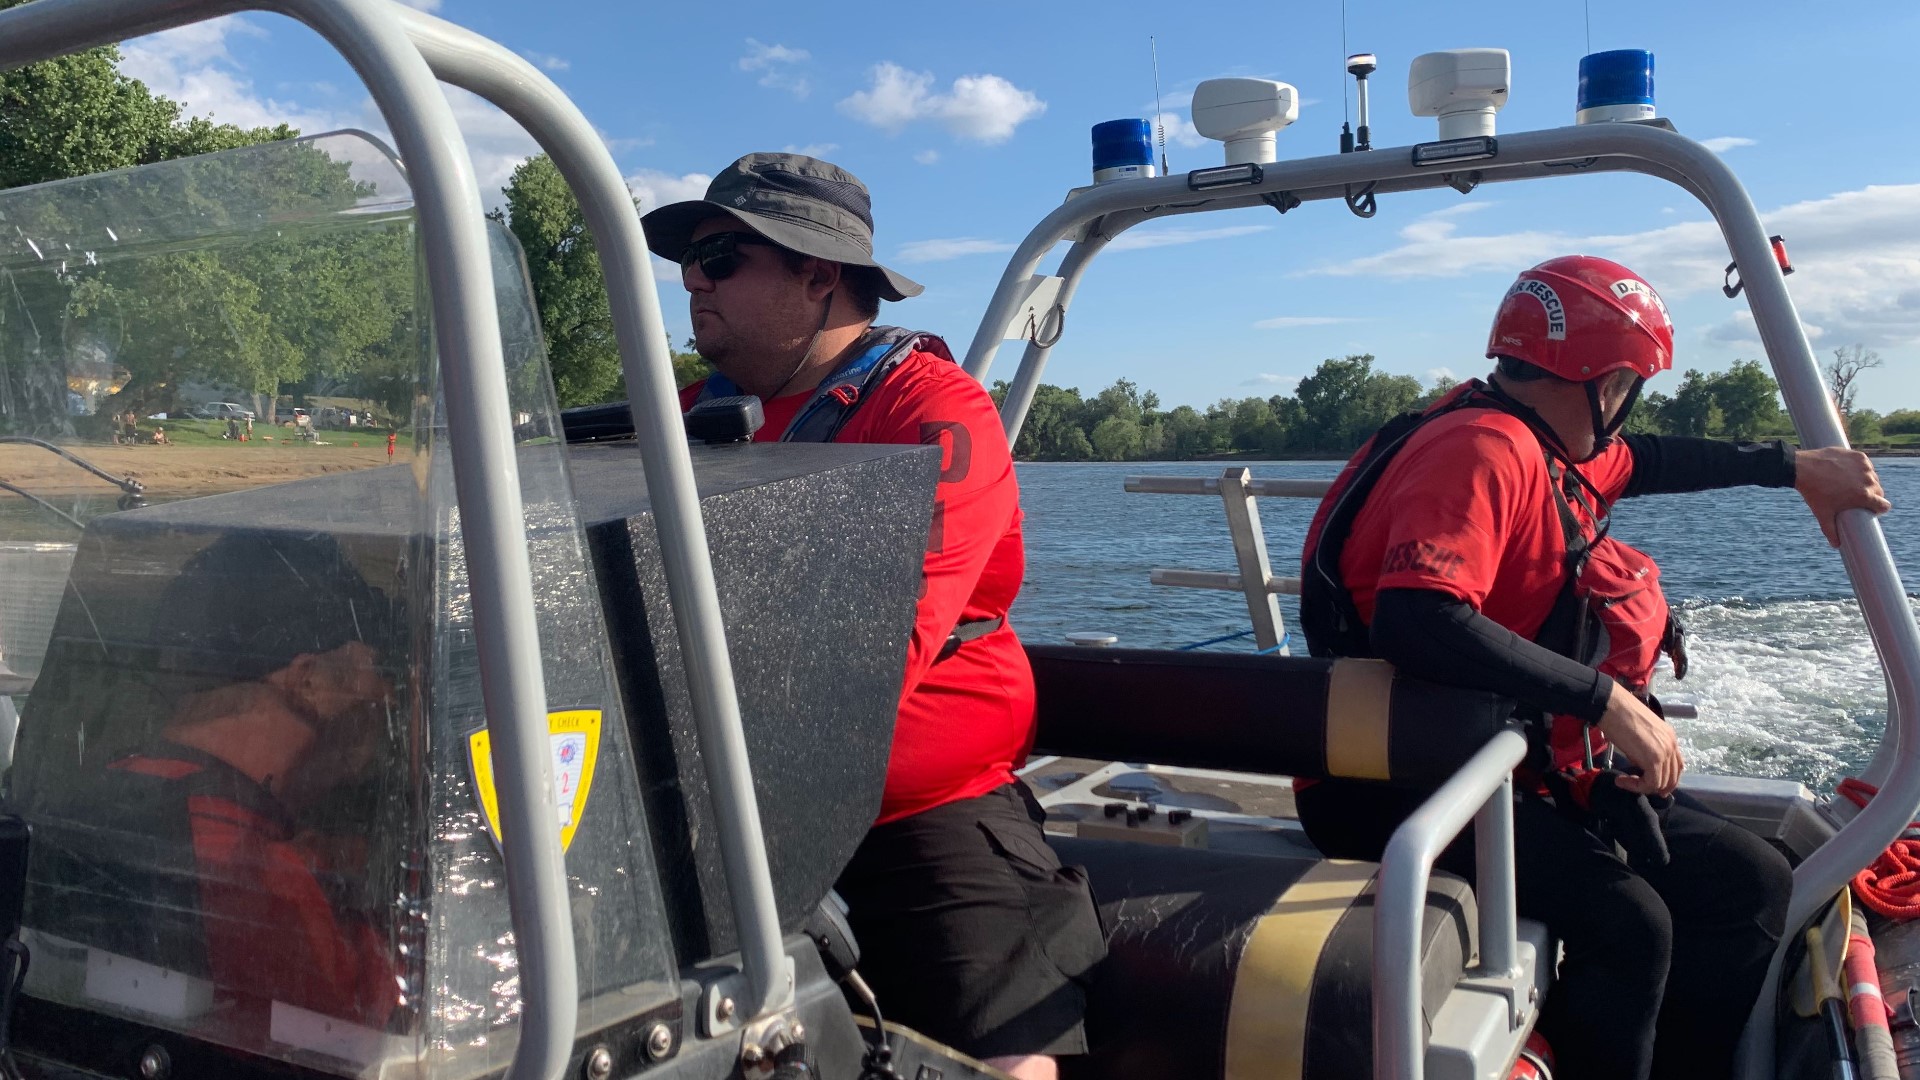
pixel 1227 965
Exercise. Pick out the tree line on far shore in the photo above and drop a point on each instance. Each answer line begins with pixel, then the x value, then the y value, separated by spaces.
pixel 1332 411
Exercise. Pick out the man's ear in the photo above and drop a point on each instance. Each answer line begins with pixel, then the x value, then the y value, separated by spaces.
pixel 823 277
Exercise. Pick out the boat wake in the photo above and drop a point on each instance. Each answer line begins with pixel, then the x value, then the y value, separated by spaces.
pixel 1784 688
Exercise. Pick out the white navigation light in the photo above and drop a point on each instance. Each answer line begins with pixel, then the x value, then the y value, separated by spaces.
pixel 1244 114
pixel 1463 87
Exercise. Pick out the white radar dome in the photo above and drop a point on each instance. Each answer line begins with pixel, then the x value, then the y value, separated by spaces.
pixel 1244 114
pixel 1463 87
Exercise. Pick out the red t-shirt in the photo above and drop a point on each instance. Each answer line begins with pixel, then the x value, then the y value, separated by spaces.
pixel 1466 508
pixel 966 722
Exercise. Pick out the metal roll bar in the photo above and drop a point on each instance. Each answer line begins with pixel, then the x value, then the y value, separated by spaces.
pixel 479 427
pixel 501 76
pixel 1481 792
pixel 1100 213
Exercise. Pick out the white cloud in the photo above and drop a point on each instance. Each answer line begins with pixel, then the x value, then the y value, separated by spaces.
pixel 495 141
pixel 819 149
pixel 1288 322
pixel 760 56
pixel 194 65
pixel 1740 330
pixel 927 157
pixel 1435 374
pixel 655 189
pixel 776 65
pixel 924 251
pixel 983 108
pixel 1285 384
pixel 547 60
pixel 1725 143
pixel 1170 236
pixel 1179 131
pixel 1857 256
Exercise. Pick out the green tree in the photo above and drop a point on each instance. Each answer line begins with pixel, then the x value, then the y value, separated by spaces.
pixel 1256 426
pixel 1748 399
pixel 1117 438
pixel 1053 430
pixel 1649 415
pixel 1345 400
pixel 75 115
pixel 1863 426
pixel 1901 422
pixel 569 289
pixel 690 367
pixel 1187 433
pixel 1692 410
pixel 78 115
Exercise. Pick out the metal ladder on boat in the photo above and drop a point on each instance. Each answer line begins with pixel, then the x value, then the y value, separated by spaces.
pixel 1254 579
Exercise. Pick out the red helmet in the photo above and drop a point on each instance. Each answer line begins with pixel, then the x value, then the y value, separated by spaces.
pixel 1580 317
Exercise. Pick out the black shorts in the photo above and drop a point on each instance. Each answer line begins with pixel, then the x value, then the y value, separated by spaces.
pixel 971 931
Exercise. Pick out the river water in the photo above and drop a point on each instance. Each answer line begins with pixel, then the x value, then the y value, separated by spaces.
pixel 1783 674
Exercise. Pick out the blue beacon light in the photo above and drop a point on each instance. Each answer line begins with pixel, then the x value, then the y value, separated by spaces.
pixel 1616 85
pixel 1122 150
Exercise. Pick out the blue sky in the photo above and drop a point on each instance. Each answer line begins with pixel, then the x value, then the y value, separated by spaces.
pixel 969 122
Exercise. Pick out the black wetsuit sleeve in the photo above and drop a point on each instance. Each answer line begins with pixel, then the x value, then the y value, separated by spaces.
pixel 1664 464
pixel 1430 635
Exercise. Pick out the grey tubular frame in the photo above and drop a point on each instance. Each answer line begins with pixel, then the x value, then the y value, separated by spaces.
pixel 501 76
pixel 1481 792
pixel 1096 215
pixel 480 432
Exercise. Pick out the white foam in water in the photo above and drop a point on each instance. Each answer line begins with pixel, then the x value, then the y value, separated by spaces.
pixel 1786 688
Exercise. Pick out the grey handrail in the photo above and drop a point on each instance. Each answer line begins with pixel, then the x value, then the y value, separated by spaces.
pixel 479 428
pixel 1482 792
pixel 496 73
pixel 1266 488
pixel 1109 209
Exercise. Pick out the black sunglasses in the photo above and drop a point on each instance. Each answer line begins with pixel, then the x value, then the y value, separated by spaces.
pixel 718 256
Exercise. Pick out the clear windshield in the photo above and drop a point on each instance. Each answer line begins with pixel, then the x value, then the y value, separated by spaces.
pixel 252 744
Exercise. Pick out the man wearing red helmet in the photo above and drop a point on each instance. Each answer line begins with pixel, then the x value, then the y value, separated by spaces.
pixel 1469 545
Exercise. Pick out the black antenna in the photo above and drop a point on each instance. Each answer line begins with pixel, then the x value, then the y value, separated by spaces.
pixel 1159 113
pixel 1346 125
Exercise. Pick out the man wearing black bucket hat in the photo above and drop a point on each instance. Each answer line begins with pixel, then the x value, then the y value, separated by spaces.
pixel 971 929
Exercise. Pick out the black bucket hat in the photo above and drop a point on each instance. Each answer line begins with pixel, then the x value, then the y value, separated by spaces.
pixel 801 203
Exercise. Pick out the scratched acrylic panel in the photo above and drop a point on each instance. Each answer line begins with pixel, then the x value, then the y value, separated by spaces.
pixel 252 743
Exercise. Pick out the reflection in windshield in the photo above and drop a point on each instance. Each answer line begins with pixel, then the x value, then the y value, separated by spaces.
pixel 249 710
pixel 234 798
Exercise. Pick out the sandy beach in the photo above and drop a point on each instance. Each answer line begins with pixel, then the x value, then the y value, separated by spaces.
pixel 185 470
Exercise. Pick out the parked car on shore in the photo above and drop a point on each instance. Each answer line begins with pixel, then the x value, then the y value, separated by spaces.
pixel 221 410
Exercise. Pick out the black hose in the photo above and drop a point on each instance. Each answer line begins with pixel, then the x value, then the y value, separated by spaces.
pixel 43 504
pixel 877 1063
pixel 126 484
